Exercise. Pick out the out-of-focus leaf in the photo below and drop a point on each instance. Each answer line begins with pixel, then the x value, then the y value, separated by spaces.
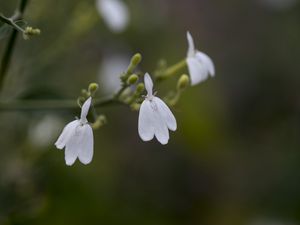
pixel 21 23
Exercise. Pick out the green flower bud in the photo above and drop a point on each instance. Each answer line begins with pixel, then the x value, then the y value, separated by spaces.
pixel 183 82
pixel 93 87
pixel 135 106
pixel 29 31
pixel 140 88
pixel 136 59
pixel 132 79
pixel 100 121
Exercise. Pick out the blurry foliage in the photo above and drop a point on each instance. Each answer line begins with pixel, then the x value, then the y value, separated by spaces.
pixel 235 157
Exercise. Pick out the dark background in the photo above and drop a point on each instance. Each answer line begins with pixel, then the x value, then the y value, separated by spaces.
pixel 235 156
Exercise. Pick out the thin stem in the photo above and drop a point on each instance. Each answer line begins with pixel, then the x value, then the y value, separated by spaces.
pixel 12 40
pixel 11 22
pixel 170 71
pixel 119 93
pixel 51 104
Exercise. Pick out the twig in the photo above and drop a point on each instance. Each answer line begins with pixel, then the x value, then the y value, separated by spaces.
pixel 52 104
pixel 12 40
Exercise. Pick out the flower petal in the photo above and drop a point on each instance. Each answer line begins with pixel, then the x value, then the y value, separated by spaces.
pixel 71 153
pixel 87 145
pixel 146 120
pixel 161 131
pixel 191 46
pixel 206 61
pixel 148 84
pixel 115 13
pixel 85 109
pixel 198 72
pixel 66 134
pixel 166 114
pixel 80 140
pixel 73 146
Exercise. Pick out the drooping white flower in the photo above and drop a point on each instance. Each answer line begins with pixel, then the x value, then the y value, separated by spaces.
pixel 115 14
pixel 77 138
pixel 200 65
pixel 155 117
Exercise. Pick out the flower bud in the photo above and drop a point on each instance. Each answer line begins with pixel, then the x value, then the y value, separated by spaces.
pixel 136 59
pixel 135 106
pixel 29 31
pixel 132 79
pixel 100 121
pixel 140 88
pixel 93 87
pixel 183 82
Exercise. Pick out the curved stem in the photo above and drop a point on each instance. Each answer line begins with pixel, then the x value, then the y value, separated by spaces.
pixel 51 104
pixel 11 43
pixel 171 70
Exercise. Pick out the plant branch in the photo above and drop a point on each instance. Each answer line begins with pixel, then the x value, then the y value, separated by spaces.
pixel 52 104
pixel 12 39
pixel 170 71
pixel 11 22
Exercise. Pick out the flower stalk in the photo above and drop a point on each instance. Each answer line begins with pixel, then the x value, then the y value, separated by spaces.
pixel 12 40
pixel 170 71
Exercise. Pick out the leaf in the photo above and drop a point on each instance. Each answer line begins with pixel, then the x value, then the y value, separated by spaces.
pixel 21 23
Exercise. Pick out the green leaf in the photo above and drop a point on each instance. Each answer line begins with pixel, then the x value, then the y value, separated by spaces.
pixel 21 23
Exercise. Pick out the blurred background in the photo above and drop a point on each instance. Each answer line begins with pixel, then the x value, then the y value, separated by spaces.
pixel 234 159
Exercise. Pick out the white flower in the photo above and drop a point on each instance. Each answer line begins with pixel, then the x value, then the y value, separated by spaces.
pixel 155 117
pixel 199 64
pixel 77 138
pixel 115 14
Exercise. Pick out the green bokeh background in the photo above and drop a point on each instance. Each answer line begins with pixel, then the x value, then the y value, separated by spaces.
pixel 234 159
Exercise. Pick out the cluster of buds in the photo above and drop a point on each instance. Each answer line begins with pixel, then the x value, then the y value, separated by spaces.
pixel 29 32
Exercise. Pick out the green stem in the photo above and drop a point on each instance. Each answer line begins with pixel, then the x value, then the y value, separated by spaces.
pixel 170 71
pixel 12 40
pixel 51 104
pixel 120 92
pixel 11 22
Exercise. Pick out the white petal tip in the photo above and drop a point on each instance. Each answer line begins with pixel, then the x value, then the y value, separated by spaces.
pixel 164 142
pixel 147 76
pixel 188 34
pixel 85 161
pixel 148 83
pixel 59 146
pixel 88 102
pixel 173 128
pixel 69 164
